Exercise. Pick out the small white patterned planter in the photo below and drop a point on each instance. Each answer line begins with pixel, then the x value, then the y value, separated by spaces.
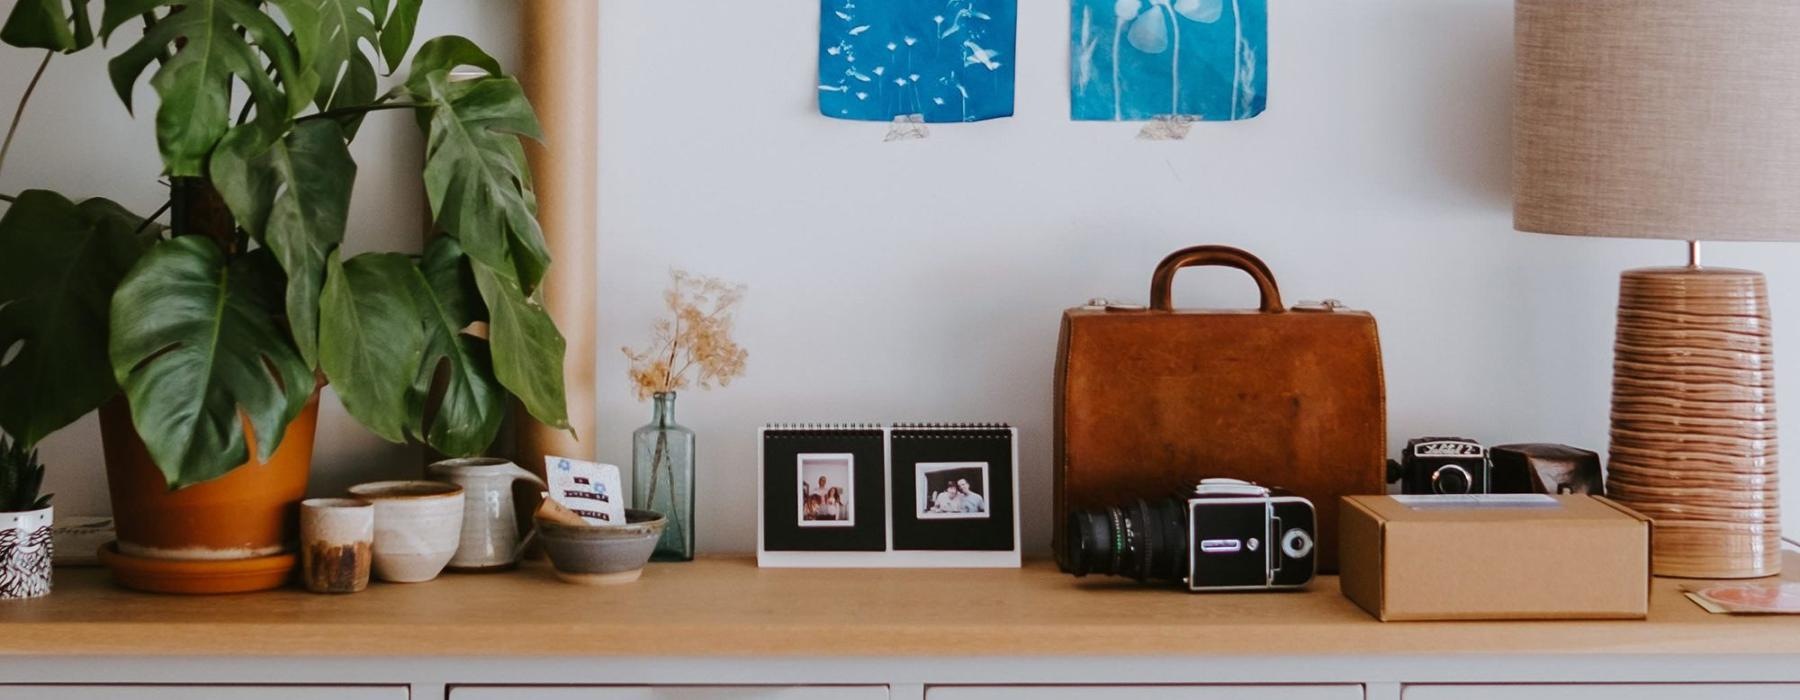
pixel 25 554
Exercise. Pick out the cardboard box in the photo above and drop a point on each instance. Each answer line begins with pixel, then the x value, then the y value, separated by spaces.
pixel 1510 557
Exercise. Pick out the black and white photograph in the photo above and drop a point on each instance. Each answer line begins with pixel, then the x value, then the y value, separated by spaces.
pixel 827 490
pixel 951 490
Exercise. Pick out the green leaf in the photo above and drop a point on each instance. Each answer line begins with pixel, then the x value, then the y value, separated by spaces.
pixel 467 418
pixel 371 340
pixel 444 54
pixel 357 90
pixel 196 347
pixel 294 197
pixel 115 13
pixel 528 350
pixel 57 25
pixel 213 41
pixel 327 33
pixel 59 265
pixel 476 177
pixel 397 29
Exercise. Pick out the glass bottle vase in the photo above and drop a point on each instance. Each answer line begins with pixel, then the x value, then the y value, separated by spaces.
pixel 662 478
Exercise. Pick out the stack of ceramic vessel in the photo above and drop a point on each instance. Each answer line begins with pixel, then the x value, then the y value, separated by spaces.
pixel 1694 435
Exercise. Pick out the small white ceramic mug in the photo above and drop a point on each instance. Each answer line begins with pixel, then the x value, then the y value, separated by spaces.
pixel 417 527
pixel 25 553
pixel 337 541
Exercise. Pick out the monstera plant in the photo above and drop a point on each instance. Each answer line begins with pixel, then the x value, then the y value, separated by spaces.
pixel 219 325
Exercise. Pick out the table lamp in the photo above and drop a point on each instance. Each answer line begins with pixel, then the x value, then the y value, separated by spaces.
pixel 1674 119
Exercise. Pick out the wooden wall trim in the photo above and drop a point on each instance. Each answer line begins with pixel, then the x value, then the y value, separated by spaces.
pixel 561 76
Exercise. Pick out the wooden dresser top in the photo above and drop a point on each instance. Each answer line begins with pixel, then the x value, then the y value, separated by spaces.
pixel 727 606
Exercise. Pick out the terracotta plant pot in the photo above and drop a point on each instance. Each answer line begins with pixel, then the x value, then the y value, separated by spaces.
pixel 251 512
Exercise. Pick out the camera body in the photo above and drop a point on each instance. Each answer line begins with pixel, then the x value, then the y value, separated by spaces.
pixel 1442 465
pixel 1224 535
pixel 1242 536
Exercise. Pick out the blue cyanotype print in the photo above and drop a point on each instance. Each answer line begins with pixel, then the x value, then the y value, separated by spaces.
pixel 949 60
pixel 1136 60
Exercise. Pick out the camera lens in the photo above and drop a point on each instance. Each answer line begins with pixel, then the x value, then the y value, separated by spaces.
pixel 1296 543
pixel 1141 541
pixel 1450 479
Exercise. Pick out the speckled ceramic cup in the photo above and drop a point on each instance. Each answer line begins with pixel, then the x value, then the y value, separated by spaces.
pixel 599 555
pixel 417 527
pixel 337 539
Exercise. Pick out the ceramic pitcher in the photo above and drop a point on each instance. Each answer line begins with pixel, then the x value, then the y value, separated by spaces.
pixel 490 531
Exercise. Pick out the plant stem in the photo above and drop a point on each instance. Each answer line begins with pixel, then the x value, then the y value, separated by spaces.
pixel 9 199
pixel 656 468
pixel 151 219
pixel 674 345
pixel 361 109
pixel 19 114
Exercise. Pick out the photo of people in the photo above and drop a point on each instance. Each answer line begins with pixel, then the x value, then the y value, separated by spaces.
pixel 827 490
pixel 948 490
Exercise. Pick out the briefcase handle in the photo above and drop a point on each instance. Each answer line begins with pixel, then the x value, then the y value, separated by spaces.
pixel 1208 255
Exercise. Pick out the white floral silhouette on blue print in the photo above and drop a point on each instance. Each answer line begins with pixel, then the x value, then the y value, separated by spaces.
pixel 946 60
pixel 1135 60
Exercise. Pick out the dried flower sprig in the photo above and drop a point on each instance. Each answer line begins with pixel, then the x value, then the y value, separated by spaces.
pixel 695 340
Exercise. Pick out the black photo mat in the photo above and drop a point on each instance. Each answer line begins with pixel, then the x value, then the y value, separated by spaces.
pixel 952 455
pixel 782 507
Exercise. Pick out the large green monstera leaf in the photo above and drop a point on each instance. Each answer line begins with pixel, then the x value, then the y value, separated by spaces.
pixel 62 261
pixel 528 350
pixel 195 345
pixel 371 341
pixel 475 171
pixel 398 345
pixel 294 197
pixel 327 33
pixel 467 417
pixel 202 46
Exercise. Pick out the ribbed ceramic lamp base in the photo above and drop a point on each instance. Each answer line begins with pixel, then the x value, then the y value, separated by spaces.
pixel 1694 444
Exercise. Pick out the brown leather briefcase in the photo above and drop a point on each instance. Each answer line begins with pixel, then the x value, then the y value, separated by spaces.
pixel 1150 400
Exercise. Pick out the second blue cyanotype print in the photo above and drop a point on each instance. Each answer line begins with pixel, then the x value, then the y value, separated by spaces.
pixel 948 60
pixel 1135 60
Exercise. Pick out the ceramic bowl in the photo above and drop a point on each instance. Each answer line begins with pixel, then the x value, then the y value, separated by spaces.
pixel 602 554
pixel 418 525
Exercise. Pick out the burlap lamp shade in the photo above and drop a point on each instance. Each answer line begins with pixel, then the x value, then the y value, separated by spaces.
pixel 1676 119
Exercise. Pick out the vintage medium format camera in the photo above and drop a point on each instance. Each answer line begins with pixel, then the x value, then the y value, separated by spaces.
pixel 1441 465
pixel 1225 535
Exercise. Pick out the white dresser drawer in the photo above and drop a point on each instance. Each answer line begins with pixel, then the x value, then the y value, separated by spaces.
pixel 1147 692
pixel 1605 691
pixel 200 692
pixel 676 692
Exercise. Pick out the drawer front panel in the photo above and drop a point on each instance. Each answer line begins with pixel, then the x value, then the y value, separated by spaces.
pixel 193 692
pixel 764 692
pixel 1149 692
pixel 1605 691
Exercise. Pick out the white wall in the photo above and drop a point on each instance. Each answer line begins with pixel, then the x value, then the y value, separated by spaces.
pixel 923 281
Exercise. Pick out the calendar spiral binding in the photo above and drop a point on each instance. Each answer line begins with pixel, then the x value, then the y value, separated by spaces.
pixel 821 427
pixel 895 426
pixel 952 431
pixel 952 426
